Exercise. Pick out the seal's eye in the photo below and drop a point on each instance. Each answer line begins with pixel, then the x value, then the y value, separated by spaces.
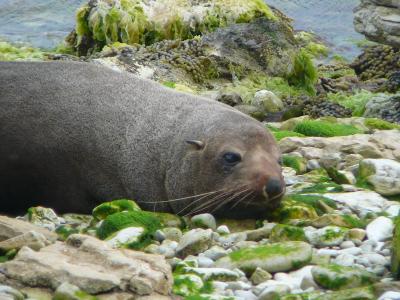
pixel 231 158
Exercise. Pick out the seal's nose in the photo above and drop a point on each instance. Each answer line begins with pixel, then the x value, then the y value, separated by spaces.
pixel 274 188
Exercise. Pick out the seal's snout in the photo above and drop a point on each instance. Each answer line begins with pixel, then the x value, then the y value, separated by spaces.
pixel 274 188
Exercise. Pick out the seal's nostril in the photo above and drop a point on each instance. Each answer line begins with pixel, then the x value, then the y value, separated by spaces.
pixel 274 187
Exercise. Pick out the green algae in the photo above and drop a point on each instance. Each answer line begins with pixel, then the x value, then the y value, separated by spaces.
pixel 9 52
pixel 304 73
pixel 105 209
pixel 355 102
pixel 127 21
pixel 395 259
pixel 261 252
pixel 295 162
pixel 374 123
pixel 282 232
pixel 115 222
pixel 325 129
pixel 279 135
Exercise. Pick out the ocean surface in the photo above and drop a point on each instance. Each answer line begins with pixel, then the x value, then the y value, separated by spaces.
pixel 44 23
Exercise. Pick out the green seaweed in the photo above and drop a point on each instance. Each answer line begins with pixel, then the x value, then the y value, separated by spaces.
pixel 304 73
pixel 108 208
pixel 355 102
pixel 325 129
pixel 374 123
pixel 295 162
pixel 10 52
pixel 279 135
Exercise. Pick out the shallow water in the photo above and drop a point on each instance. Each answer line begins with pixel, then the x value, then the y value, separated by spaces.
pixel 330 19
pixel 44 23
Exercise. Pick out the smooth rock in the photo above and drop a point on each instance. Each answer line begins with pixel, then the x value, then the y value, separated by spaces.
pixel 204 221
pixel 382 174
pixel 380 229
pixel 194 242
pixel 277 257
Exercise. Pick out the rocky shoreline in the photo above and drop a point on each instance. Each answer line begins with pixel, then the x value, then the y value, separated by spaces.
pixel 336 234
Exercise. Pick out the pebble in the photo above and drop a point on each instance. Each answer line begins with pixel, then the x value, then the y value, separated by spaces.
pixel 380 229
pixel 346 260
pixel 215 252
pixel 223 229
pixel 352 251
pixel 390 296
pixel 245 295
pixel 347 244
pixel 205 262
pixel 260 276
pixel 204 221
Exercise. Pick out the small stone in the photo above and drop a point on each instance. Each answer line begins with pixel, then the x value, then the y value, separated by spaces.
pixel 357 234
pixel 223 229
pixel 259 276
pixel 327 237
pixel 382 174
pixel 215 252
pixel 380 229
pixel 220 274
pixel 125 236
pixel 347 244
pixel 9 293
pixel 172 233
pixel 335 277
pixel 345 260
pixel 390 296
pixel 238 285
pixel 194 242
pixel 267 101
pixel 274 292
pixel 276 257
pixel 204 221
pixel 188 284
pixel 205 262
pixel 245 295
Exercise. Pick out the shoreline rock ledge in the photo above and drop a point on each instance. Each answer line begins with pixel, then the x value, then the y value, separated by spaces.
pixel 91 266
pixel 379 21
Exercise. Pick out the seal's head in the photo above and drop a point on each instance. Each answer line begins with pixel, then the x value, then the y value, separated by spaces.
pixel 233 173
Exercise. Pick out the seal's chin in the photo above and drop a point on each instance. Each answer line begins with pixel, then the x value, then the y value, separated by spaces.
pixel 256 209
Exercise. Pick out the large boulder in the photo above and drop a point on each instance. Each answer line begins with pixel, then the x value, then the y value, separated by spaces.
pixel 92 266
pixel 379 21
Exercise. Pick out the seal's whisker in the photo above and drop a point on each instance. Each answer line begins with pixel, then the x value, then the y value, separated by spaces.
pixel 181 199
pixel 235 193
pixel 241 199
pixel 207 203
pixel 229 199
pixel 195 201
pixel 210 201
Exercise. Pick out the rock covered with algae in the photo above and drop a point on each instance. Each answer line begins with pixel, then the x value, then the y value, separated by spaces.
pixel 103 22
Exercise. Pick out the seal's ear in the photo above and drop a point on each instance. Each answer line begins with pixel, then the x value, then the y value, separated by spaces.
pixel 198 144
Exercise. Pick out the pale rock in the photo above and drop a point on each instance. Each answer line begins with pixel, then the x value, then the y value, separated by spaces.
pixel 380 229
pixel 267 101
pixel 382 174
pixel 91 265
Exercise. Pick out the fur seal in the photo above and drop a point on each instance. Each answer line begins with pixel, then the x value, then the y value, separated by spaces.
pixel 73 135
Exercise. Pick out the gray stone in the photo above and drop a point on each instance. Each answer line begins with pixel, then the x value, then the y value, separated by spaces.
pixel 194 242
pixel 91 265
pixel 267 101
pixel 204 221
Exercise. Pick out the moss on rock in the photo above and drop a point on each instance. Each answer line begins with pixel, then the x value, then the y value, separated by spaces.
pixel 325 129
pixel 373 123
pixel 108 208
pixel 121 220
pixel 9 52
pixel 295 162
pixel 281 233
pixel 103 22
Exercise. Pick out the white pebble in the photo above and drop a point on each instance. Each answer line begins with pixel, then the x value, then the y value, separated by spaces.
pixel 223 229
pixel 380 229
pixel 390 296
pixel 345 260
pixel 246 295
pixel 347 244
